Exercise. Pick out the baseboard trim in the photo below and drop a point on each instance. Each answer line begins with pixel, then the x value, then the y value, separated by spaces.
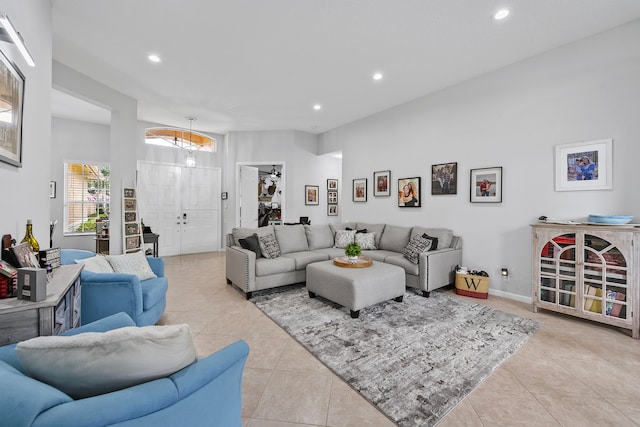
pixel 509 295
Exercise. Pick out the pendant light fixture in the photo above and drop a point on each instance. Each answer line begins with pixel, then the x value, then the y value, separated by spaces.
pixel 191 160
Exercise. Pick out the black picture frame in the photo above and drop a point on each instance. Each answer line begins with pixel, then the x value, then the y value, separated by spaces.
pixel 444 179
pixel 485 185
pixel 332 184
pixel 332 210
pixel 359 190
pixel 382 183
pixel 409 192
pixel 311 195
pixel 12 89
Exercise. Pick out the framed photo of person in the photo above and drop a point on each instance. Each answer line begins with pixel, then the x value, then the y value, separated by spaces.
pixel 409 193
pixel 332 197
pixel 311 194
pixel 332 210
pixel 584 165
pixel 486 185
pixel 444 179
pixel 360 190
pixel 12 90
pixel 382 184
pixel 332 184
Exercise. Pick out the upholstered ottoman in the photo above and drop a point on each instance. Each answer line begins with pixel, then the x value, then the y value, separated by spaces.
pixel 355 288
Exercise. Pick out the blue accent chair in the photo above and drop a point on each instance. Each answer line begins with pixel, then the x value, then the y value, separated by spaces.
pixel 205 393
pixel 104 294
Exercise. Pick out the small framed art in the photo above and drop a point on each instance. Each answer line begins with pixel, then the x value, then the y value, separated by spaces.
pixel 584 165
pixel 409 192
pixel 360 190
pixel 444 179
pixel 332 184
pixel 52 189
pixel 12 90
pixel 311 194
pixel 486 185
pixel 381 182
pixel 332 210
pixel 332 197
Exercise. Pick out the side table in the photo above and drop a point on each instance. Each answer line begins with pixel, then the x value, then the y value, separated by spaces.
pixel 153 239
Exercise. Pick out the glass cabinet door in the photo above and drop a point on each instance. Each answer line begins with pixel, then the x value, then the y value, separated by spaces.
pixel 605 278
pixel 558 271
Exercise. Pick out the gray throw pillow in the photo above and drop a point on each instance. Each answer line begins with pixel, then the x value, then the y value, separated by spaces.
pixel 367 241
pixel 415 247
pixel 344 237
pixel 269 246
pixel 252 243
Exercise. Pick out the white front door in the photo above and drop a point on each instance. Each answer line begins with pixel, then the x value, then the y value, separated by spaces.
pixel 182 205
pixel 248 196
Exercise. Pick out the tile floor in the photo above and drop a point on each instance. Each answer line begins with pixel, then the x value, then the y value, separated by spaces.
pixel 570 373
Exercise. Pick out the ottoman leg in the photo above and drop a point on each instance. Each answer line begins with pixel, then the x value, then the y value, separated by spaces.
pixel 248 295
pixel 355 314
pixel 425 294
pixel 312 294
pixel 399 299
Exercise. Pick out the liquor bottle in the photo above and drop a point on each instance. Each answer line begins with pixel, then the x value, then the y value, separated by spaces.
pixel 28 237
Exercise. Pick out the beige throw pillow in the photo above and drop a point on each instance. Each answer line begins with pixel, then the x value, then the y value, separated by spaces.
pixel 135 263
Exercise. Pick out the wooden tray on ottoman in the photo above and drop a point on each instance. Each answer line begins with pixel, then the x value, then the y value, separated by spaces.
pixel 361 262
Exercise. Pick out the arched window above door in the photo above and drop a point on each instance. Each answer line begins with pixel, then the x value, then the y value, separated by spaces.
pixel 180 138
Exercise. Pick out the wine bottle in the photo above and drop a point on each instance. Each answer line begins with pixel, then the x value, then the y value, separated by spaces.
pixel 30 239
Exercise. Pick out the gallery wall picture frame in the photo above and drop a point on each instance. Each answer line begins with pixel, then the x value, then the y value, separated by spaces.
pixel 486 185
pixel 12 90
pixel 409 192
pixel 359 190
pixel 444 179
pixel 332 197
pixel 52 189
pixel 332 210
pixel 332 184
pixel 311 194
pixel 584 165
pixel 382 184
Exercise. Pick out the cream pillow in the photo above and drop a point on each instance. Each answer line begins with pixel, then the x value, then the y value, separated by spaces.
pixel 344 237
pixel 366 241
pixel 94 363
pixel 96 264
pixel 135 263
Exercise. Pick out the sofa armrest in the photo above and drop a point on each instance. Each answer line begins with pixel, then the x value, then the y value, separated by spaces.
pixel 157 265
pixel 104 294
pixel 241 268
pixel 437 268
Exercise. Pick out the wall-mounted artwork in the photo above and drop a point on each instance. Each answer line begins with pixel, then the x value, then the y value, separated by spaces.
pixel 409 193
pixel 11 101
pixel 584 165
pixel 444 179
pixel 332 197
pixel 382 184
pixel 486 185
pixel 360 190
pixel 332 210
pixel 332 184
pixel 311 194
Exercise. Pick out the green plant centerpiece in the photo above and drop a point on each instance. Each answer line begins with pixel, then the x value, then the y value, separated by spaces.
pixel 352 251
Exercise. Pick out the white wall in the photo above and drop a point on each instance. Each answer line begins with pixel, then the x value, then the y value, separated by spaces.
pixel 74 141
pixel 511 118
pixel 298 151
pixel 26 189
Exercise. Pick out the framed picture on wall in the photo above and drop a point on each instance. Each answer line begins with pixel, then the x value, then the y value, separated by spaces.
pixel 12 90
pixel 311 194
pixel 360 190
pixel 332 184
pixel 584 165
pixel 332 197
pixel 332 210
pixel 444 179
pixel 486 185
pixel 382 184
pixel 409 193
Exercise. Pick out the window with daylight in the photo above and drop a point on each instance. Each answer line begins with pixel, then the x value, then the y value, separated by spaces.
pixel 86 197
pixel 180 138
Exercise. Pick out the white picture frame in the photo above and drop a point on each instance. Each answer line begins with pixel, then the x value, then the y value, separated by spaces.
pixel 584 165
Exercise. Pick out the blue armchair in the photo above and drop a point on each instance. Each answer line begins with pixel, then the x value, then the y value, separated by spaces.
pixel 104 294
pixel 205 393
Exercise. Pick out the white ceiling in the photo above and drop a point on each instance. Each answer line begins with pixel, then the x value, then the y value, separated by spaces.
pixel 262 65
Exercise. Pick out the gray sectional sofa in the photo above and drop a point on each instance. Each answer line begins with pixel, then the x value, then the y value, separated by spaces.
pixel 301 245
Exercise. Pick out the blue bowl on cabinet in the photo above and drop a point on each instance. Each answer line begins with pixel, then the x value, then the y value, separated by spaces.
pixel 610 219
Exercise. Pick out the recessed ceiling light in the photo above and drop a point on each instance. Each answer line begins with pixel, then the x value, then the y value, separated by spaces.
pixel 377 76
pixel 154 58
pixel 317 107
pixel 501 14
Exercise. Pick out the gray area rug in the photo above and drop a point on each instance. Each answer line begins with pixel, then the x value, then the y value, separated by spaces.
pixel 414 360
